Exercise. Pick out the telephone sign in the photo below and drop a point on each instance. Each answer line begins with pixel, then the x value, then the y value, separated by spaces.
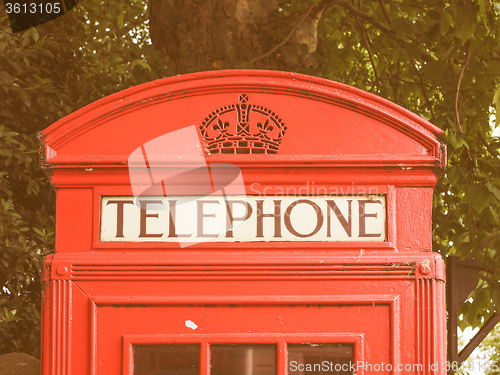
pixel 243 218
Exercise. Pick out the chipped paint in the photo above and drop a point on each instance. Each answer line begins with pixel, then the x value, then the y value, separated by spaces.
pixel 190 324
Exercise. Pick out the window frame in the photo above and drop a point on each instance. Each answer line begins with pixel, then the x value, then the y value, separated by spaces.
pixel 205 340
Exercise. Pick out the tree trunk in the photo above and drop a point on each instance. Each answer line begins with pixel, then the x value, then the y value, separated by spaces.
pixel 195 35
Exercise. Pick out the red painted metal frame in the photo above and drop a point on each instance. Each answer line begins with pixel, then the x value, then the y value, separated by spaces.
pixel 339 138
pixel 98 303
pixel 280 340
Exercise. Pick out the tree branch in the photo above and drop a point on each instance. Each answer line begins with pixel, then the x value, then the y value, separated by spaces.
pixel 408 22
pixel 365 40
pixel 490 149
pixel 386 14
pixel 367 17
pixel 423 87
pixel 357 12
pixel 100 61
pixel 279 45
pixel 459 82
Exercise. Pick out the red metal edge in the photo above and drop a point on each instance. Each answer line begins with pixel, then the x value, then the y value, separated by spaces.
pixel 240 263
pixel 47 297
pixel 189 84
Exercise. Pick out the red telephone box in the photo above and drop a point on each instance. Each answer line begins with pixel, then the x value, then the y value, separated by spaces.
pixel 246 222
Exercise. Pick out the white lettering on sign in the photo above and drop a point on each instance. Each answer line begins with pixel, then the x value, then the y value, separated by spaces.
pixel 243 218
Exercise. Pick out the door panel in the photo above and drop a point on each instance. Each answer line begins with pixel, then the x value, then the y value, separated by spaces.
pixel 225 325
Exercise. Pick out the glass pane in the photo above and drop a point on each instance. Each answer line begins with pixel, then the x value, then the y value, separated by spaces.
pixel 243 359
pixel 167 360
pixel 316 359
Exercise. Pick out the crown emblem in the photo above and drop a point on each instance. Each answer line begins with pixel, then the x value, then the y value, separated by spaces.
pixel 242 128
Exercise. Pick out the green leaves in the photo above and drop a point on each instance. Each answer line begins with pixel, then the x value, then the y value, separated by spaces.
pixel 21 250
pixel 465 21
pixel 46 73
pixel 402 26
pixel 480 197
pixel 496 103
pixel 419 52
pixel 445 22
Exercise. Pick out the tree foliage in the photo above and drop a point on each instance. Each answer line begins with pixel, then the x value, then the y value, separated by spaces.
pixel 45 74
pixel 440 60
pixel 491 349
